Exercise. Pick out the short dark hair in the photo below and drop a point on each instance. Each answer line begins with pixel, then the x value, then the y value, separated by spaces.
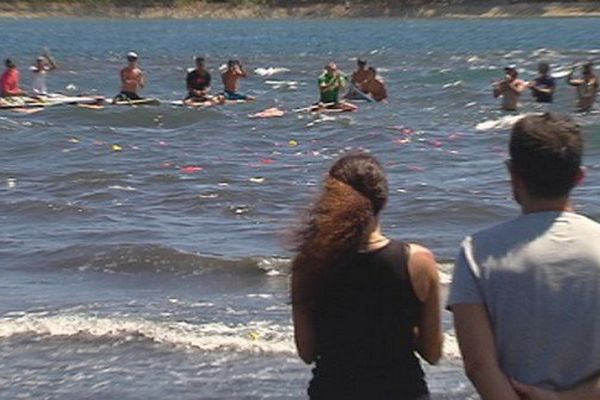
pixel 199 60
pixel 546 152
pixel 9 63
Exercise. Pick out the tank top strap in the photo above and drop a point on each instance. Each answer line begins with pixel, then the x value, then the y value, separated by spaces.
pixel 397 255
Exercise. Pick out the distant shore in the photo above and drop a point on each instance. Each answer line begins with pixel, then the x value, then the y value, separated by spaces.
pixel 349 9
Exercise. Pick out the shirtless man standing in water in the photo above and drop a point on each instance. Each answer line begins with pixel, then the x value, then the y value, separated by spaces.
pixel 510 89
pixel 587 87
pixel 132 79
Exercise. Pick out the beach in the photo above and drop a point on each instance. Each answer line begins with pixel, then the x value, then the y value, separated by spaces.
pixel 318 10
pixel 143 250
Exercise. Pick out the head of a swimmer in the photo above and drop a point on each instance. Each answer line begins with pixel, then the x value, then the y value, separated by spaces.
pixel 9 63
pixel 361 63
pixel 511 72
pixel 543 68
pixel 331 67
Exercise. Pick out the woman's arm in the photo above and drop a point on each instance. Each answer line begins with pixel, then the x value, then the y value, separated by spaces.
pixel 302 314
pixel 425 280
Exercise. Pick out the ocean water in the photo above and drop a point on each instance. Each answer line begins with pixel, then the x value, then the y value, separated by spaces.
pixel 126 275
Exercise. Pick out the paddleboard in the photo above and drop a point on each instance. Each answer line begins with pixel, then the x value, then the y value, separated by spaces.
pixel 7 103
pixel 26 102
pixel 139 102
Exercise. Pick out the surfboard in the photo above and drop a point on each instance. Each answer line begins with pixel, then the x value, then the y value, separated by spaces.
pixel 139 102
pixel 19 102
pixel 50 100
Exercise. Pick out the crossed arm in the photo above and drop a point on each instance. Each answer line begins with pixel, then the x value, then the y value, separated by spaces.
pixel 476 341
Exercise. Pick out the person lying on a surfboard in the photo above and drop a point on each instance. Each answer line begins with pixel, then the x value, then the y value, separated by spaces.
pixel 44 64
pixel 132 79
pixel 10 80
pixel 231 81
pixel 374 86
pixel 331 82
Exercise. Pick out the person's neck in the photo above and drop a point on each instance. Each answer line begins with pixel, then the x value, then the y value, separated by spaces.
pixel 537 205
pixel 375 240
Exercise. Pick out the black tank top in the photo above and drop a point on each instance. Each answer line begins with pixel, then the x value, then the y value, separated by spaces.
pixel 364 323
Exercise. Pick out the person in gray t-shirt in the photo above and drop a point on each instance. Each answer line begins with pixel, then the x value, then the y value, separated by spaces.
pixel 526 293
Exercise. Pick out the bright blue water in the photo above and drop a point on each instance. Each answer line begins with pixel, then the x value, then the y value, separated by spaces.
pixel 124 277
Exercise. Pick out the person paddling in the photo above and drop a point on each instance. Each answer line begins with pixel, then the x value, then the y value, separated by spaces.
pixel 331 81
pixel 132 79
pixel 44 64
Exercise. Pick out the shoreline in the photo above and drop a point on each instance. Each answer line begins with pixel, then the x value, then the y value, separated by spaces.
pixel 486 9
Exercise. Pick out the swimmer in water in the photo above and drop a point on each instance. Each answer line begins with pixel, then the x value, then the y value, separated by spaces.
pixel 587 87
pixel 542 87
pixel 510 88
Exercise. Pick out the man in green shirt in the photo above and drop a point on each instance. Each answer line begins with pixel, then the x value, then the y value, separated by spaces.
pixel 330 83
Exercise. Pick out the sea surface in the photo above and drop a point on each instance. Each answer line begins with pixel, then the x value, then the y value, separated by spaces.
pixel 143 251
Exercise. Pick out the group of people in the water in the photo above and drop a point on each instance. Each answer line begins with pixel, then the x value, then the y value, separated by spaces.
pixel 364 84
pixel 543 86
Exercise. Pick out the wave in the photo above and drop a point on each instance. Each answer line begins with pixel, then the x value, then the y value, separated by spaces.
pixel 150 257
pixel 255 337
pixel 503 123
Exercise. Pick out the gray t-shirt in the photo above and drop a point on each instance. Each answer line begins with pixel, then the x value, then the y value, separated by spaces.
pixel 539 279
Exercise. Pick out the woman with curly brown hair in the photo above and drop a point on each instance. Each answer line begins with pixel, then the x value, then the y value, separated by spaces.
pixel 362 303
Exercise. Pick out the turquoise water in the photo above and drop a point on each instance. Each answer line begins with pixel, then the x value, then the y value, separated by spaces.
pixel 126 277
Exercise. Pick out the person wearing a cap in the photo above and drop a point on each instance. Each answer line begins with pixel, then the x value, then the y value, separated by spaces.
pixel 542 87
pixel 10 80
pixel 331 81
pixel 44 64
pixel 132 79
pixel 587 87
pixel 510 88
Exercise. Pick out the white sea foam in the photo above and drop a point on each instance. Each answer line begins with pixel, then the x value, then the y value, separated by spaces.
pixel 505 122
pixel 270 71
pixel 257 337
